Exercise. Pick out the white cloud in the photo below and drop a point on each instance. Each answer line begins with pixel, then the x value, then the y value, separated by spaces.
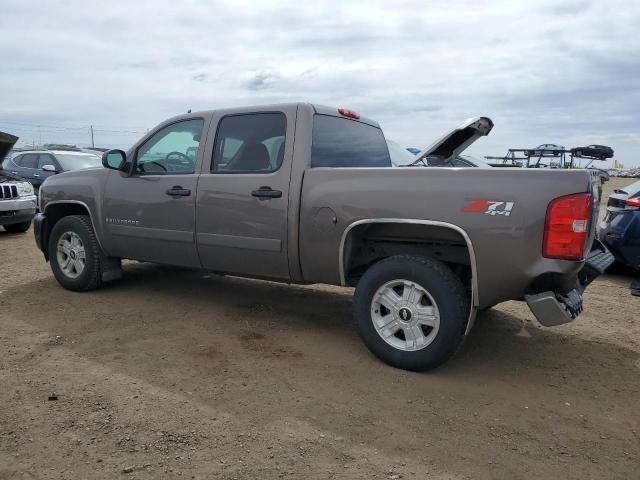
pixel 545 71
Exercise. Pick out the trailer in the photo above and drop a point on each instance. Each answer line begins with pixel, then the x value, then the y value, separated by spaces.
pixel 543 156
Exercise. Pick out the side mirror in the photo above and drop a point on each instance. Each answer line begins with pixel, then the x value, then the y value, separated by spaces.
pixel 49 168
pixel 114 159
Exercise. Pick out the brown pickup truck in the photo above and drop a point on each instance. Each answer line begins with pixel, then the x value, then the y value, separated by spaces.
pixel 302 193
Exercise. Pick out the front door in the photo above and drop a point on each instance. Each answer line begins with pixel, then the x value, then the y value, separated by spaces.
pixel 41 175
pixel 150 215
pixel 243 195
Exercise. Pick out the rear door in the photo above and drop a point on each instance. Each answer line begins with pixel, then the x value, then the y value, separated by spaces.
pixel 150 214
pixel 243 194
pixel 24 166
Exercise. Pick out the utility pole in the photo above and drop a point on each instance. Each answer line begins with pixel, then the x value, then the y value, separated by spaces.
pixel 92 144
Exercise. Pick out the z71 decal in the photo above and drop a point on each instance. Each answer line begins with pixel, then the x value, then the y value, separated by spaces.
pixel 489 207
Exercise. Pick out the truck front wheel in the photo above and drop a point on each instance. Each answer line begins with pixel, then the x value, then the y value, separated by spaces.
pixel 75 255
pixel 411 311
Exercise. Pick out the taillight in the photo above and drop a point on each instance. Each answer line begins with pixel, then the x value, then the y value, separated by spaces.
pixel 348 113
pixel 567 227
pixel 632 202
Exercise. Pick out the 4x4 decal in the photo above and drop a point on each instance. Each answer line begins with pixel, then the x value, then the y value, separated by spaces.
pixel 489 207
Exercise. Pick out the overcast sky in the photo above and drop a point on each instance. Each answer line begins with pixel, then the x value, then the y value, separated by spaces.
pixel 546 71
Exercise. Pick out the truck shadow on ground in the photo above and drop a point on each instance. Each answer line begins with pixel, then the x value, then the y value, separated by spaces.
pixel 265 317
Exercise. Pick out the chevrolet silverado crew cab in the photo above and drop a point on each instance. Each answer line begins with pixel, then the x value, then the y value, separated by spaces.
pixel 302 193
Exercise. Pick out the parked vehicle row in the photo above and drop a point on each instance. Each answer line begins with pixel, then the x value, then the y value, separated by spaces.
pixel 303 193
pixel 628 173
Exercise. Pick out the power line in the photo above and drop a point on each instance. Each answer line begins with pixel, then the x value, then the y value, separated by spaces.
pixel 44 127
pixel 40 126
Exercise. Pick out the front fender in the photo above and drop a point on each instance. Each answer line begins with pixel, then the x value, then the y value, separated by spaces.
pixel 73 193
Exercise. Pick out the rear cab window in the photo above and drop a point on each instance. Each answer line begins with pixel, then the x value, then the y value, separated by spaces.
pixel 342 142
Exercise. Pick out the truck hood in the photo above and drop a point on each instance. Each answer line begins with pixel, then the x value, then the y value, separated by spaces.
pixel 7 142
pixel 457 140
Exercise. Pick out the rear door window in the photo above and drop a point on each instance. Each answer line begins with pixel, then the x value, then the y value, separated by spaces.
pixel 30 160
pixel 339 142
pixel 250 143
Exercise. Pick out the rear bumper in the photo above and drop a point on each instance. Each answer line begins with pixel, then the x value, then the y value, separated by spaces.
pixel 17 210
pixel 553 308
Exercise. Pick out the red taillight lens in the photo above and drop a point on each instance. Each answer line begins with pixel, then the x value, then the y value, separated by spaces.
pixel 633 202
pixel 567 227
pixel 348 113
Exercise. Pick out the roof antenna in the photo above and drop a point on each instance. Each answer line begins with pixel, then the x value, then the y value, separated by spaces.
pixel 189 111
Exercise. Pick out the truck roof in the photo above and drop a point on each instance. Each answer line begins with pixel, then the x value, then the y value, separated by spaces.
pixel 317 108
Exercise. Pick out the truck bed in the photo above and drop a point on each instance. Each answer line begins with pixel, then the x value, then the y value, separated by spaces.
pixel 507 245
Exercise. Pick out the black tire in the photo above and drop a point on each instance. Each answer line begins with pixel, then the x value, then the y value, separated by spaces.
pixel 91 276
pixel 18 227
pixel 443 286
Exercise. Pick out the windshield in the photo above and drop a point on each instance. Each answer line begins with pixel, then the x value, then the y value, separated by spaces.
pixel 78 161
pixel 399 155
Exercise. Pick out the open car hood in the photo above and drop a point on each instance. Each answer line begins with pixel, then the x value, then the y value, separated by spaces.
pixel 457 140
pixel 6 144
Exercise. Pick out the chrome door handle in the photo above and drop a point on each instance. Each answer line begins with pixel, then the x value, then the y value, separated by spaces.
pixel 178 191
pixel 266 192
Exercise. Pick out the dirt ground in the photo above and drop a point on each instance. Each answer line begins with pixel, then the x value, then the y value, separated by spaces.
pixel 180 374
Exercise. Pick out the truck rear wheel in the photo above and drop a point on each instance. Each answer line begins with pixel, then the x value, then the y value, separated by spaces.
pixel 75 255
pixel 411 311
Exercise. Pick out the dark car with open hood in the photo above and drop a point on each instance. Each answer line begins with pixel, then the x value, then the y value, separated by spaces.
pixel 17 199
